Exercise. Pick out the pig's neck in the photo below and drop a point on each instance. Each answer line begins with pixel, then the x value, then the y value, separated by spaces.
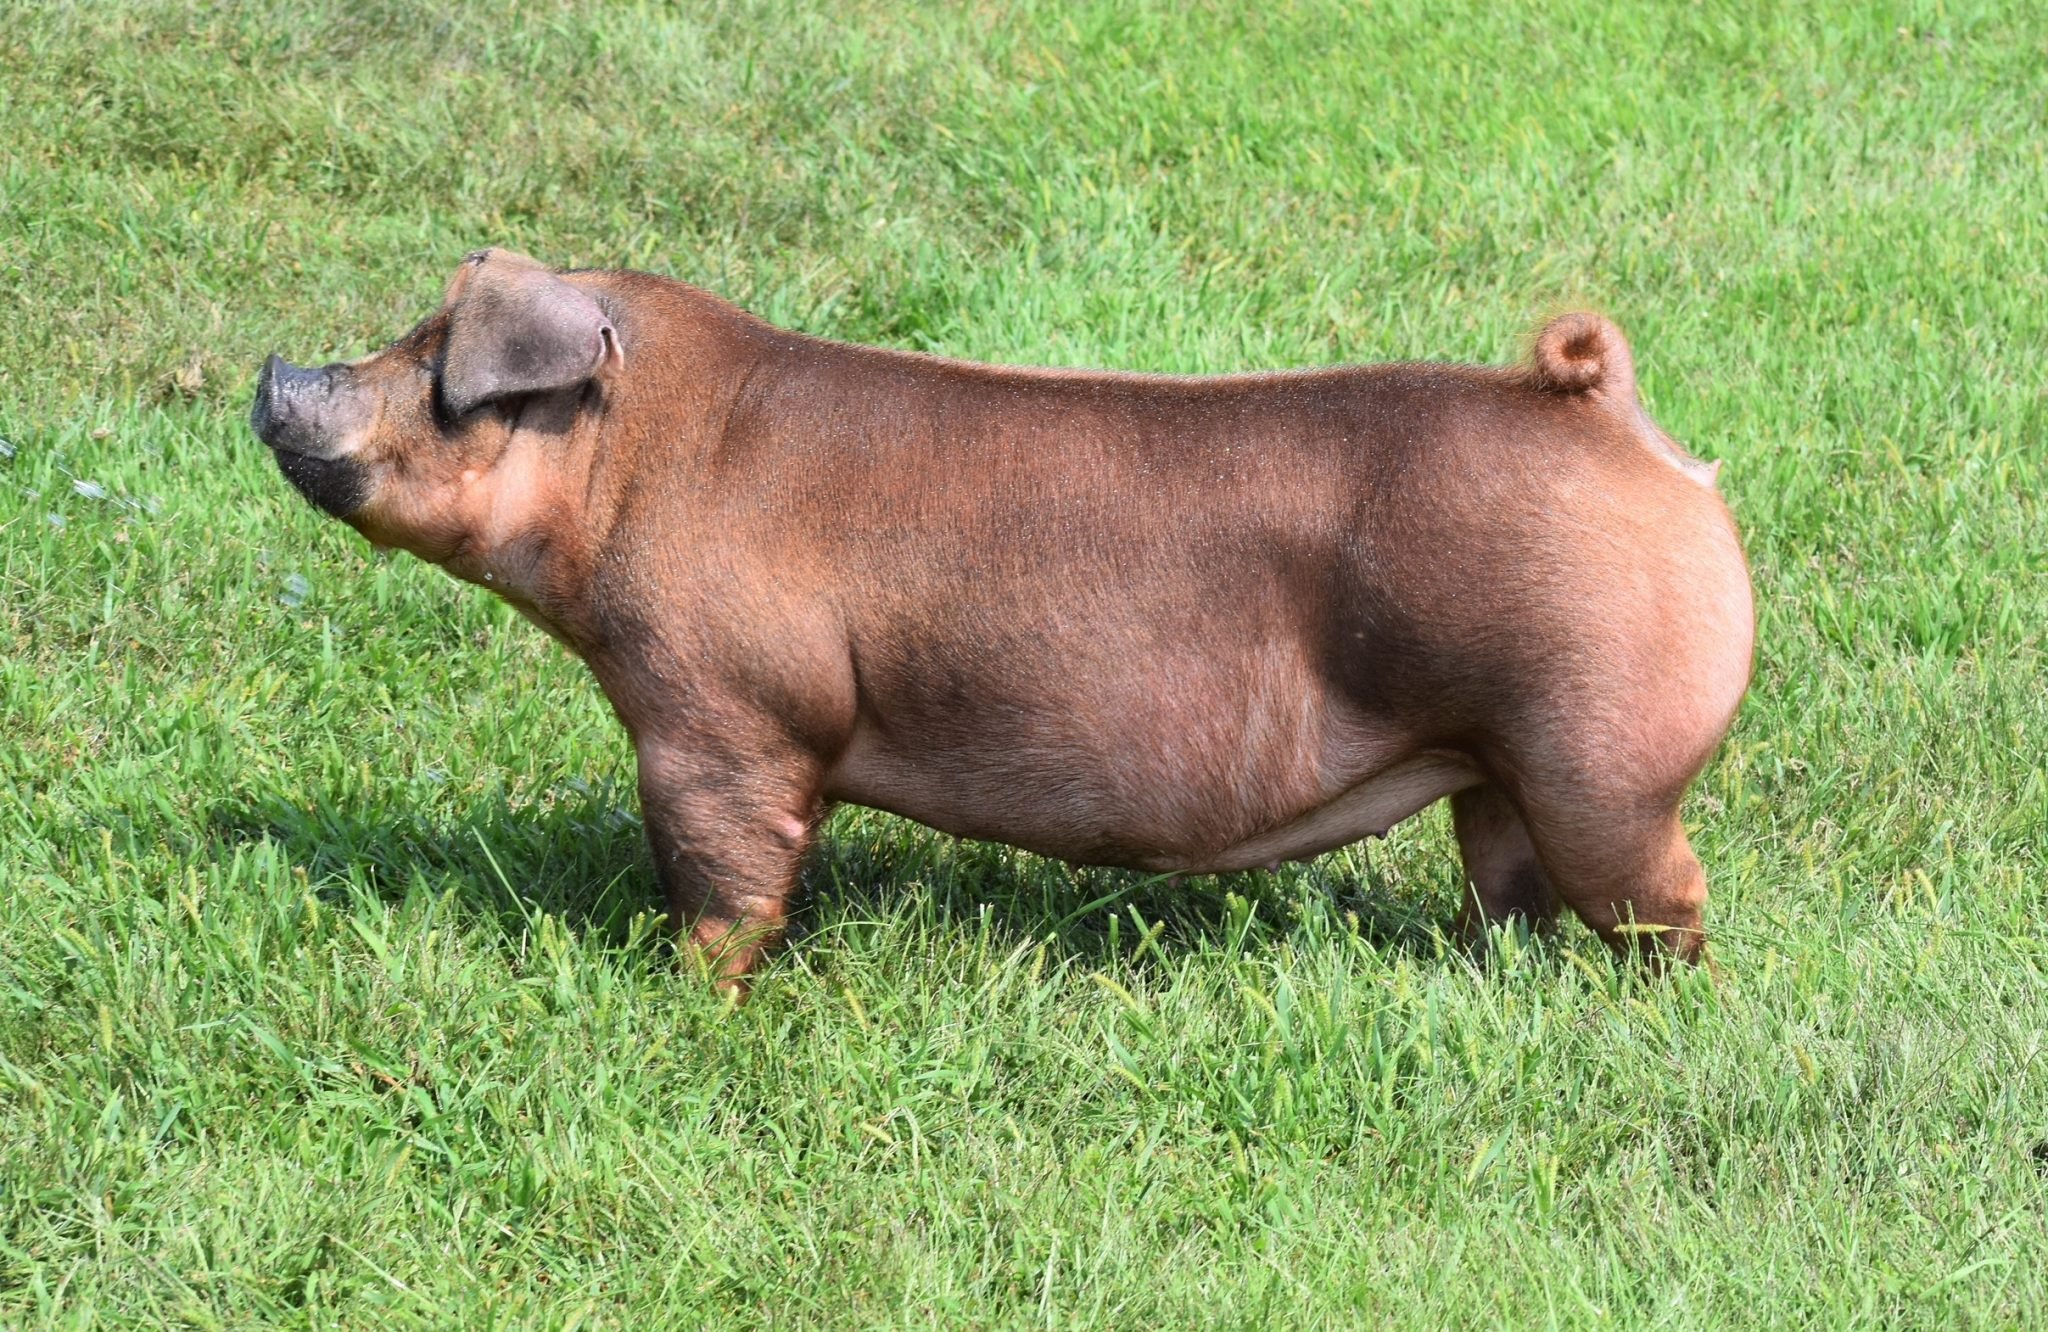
pixel 523 532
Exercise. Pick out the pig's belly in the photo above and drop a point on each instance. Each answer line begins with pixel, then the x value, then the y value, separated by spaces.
pixel 1198 818
pixel 1367 809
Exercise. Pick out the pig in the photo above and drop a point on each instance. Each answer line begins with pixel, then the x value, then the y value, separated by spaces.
pixel 1172 623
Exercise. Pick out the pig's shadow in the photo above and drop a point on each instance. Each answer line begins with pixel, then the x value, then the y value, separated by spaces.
pixel 582 857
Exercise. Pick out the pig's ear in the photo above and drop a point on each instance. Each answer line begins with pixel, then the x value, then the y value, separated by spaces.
pixel 514 327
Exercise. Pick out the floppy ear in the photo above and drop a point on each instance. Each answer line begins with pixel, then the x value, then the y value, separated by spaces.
pixel 514 327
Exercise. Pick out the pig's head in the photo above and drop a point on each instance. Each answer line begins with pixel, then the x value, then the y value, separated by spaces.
pixel 405 444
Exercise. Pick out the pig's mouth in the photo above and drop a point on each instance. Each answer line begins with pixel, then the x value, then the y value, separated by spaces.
pixel 336 485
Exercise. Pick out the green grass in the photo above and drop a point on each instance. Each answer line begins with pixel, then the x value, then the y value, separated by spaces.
pixel 330 992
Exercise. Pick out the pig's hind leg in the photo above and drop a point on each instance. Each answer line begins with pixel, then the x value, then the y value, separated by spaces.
pixel 1506 879
pixel 1620 860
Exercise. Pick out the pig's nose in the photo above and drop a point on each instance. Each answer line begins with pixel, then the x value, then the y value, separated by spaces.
pixel 279 378
pixel 281 390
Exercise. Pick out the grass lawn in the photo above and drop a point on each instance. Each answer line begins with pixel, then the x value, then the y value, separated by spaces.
pixel 330 988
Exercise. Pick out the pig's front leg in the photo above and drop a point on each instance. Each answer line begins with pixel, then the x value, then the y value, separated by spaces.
pixel 729 825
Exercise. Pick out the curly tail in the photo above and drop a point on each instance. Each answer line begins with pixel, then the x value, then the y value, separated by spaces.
pixel 1584 353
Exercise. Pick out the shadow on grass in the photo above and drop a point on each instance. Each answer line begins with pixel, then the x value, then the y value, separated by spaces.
pixel 581 856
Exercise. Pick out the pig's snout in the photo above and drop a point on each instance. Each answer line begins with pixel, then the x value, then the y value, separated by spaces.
pixel 302 418
pixel 290 402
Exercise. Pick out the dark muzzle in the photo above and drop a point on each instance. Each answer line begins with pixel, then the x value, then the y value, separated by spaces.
pixel 295 414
